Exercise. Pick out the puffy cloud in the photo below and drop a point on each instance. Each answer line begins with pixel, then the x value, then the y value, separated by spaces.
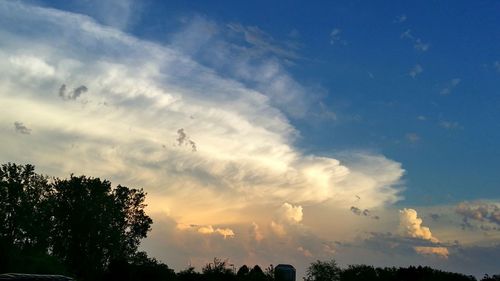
pixel 426 250
pixel 478 211
pixel 208 229
pixel 291 213
pixel 410 225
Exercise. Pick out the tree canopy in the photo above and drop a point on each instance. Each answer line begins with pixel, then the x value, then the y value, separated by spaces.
pixel 80 223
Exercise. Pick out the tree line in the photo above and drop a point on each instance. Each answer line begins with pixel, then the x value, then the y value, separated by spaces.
pixel 84 228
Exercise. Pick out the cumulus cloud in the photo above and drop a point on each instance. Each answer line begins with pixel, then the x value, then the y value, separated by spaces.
pixel 291 213
pixel 410 225
pixel 208 229
pixel 20 128
pixel 479 212
pixel 439 251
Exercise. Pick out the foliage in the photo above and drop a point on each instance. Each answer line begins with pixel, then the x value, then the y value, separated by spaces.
pixel 80 223
pixel 323 271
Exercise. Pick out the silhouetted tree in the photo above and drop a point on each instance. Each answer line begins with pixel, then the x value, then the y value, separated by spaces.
pixel 189 274
pixel 25 221
pixel 256 274
pixel 218 270
pixel 242 272
pixel 94 224
pixel 359 273
pixel 323 271
pixel 80 223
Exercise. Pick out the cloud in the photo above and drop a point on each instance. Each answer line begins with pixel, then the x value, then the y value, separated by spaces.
pixel 208 229
pixel 291 213
pixel 421 46
pixel 335 38
pixel 416 70
pixel 278 229
pixel 452 84
pixel 412 137
pixel 356 210
pixel 141 94
pixel 449 125
pixel 20 128
pixel 400 18
pixel 257 233
pixel 250 56
pixel 30 65
pixel 418 44
pixel 410 225
pixel 479 212
pixel 72 95
pixel 439 251
pixel 263 41
pixel 183 139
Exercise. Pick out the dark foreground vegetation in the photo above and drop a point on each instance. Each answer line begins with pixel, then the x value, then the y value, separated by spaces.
pixel 83 228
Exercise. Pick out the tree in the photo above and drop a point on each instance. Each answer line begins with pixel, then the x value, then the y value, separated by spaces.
pixel 323 271
pixel 218 270
pixel 242 272
pixel 24 213
pixel 25 220
pixel 95 224
pixel 359 273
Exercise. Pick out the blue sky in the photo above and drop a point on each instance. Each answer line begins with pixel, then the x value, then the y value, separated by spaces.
pixel 294 112
pixel 364 77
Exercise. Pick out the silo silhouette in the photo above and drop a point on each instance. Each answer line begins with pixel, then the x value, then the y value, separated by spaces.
pixel 284 272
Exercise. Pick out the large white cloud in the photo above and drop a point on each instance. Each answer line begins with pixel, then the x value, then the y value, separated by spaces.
pixel 125 126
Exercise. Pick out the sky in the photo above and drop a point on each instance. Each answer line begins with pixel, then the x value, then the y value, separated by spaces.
pixel 270 132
